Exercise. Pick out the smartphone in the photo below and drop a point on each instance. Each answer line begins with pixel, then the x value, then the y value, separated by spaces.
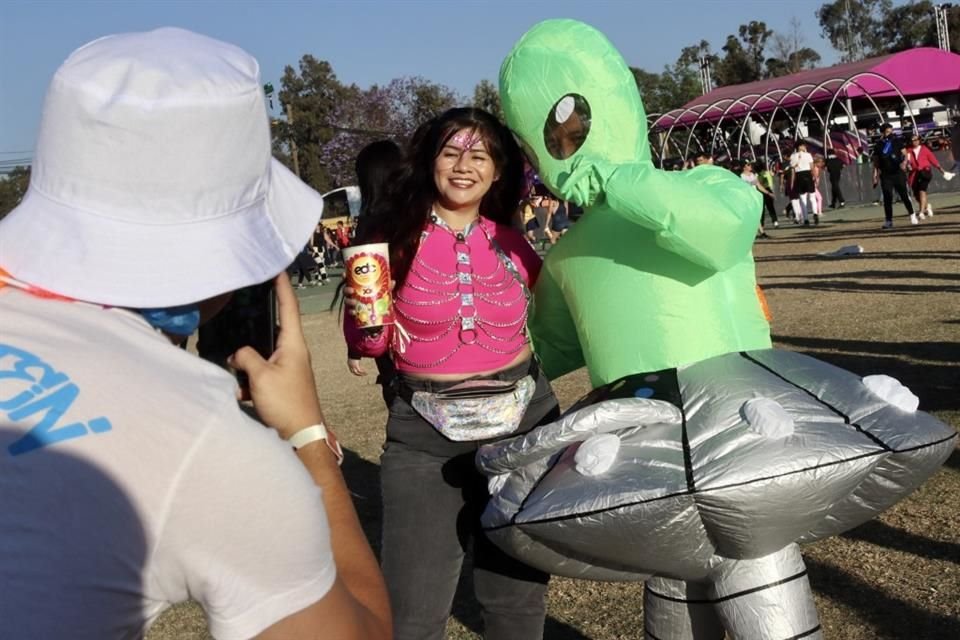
pixel 248 320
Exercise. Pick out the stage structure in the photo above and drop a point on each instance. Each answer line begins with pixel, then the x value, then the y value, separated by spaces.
pixel 756 120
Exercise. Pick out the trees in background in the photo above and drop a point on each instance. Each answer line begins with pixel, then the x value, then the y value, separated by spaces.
pixel 325 123
pixel 857 29
pixel 13 187
pixel 861 29
pixel 790 54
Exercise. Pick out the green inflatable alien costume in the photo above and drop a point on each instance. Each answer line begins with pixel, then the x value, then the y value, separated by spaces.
pixel 702 456
pixel 677 244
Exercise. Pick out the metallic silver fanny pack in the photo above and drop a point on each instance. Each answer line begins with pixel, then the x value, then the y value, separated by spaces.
pixel 476 409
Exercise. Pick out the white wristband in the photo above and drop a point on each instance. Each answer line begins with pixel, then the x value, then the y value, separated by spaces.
pixel 313 433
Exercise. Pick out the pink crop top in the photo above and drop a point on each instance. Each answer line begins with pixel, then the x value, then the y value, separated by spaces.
pixel 462 308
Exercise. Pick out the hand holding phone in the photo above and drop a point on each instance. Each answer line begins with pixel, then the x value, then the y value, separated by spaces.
pixel 282 386
pixel 249 319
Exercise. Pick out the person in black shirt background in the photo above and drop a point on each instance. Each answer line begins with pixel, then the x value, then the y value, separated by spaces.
pixel 835 170
pixel 888 161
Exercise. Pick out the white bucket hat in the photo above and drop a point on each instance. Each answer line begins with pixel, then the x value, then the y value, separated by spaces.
pixel 152 182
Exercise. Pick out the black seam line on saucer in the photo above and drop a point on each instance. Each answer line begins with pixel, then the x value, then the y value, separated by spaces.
pixel 846 418
pixel 805 634
pixel 675 494
pixel 685 440
pixel 731 596
pixel 720 488
pixel 647 633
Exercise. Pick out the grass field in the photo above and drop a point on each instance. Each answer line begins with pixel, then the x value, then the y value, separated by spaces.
pixel 894 309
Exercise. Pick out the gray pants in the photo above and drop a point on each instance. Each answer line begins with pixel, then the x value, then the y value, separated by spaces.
pixel 432 500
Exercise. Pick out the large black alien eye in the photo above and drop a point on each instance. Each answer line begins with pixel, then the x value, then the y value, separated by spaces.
pixel 567 126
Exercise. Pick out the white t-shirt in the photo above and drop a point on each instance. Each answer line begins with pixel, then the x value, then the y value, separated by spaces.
pixel 801 161
pixel 749 178
pixel 130 479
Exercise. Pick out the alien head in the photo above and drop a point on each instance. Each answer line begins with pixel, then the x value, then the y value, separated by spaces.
pixel 567 93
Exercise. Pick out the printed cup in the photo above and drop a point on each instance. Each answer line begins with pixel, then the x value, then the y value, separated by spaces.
pixel 367 270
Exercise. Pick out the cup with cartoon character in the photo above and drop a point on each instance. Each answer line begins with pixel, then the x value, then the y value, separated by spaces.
pixel 367 270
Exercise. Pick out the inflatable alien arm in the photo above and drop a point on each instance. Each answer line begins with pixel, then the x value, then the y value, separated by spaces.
pixel 707 215
pixel 554 332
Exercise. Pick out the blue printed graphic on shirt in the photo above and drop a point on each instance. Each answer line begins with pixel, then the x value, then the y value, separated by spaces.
pixel 32 391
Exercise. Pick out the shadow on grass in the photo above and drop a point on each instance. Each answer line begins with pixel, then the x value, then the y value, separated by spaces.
pixel 879 255
pixel 873 273
pixel 881 534
pixel 829 233
pixel 898 620
pixel 934 384
pixel 813 283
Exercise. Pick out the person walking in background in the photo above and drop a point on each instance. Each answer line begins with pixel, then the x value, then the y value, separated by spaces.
pixel 835 172
pixel 317 242
pixel 921 162
pixel 558 222
pixel 306 268
pixel 955 144
pixel 802 182
pixel 343 235
pixel 889 159
pixel 789 187
pixel 748 176
pixel 765 178
pixel 331 250
pixel 817 173
pixel 528 218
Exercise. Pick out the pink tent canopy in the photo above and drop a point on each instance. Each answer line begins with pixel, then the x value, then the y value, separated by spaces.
pixel 917 72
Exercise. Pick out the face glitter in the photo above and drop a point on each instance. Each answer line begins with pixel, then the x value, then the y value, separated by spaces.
pixel 466 139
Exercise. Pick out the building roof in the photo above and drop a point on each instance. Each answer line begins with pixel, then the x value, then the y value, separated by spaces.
pixel 923 71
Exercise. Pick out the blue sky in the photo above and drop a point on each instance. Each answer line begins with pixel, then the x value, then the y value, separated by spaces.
pixel 367 41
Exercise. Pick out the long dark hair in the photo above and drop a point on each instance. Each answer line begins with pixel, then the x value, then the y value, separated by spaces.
pixel 413 191
pixel 375 165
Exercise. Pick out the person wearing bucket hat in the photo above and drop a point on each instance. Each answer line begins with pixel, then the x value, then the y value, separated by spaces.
pixel 131 478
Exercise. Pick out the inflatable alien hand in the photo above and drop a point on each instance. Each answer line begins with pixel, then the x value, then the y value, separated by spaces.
pixel 586 181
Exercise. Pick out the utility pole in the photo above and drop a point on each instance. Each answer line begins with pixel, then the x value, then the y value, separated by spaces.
pixel 853 46
pixel 706 81
pixel 943 30
pixel 293 143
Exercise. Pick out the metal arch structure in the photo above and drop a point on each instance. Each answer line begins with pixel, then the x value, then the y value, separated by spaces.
pixel 682 113
pixel 844 83
pixel 651 121
pixel 693 129
pixel 853 80
pixel 668 139
pixel 779 106
pixel 746 119
pixel 808 93
pixel 717 126
pixel 768 96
